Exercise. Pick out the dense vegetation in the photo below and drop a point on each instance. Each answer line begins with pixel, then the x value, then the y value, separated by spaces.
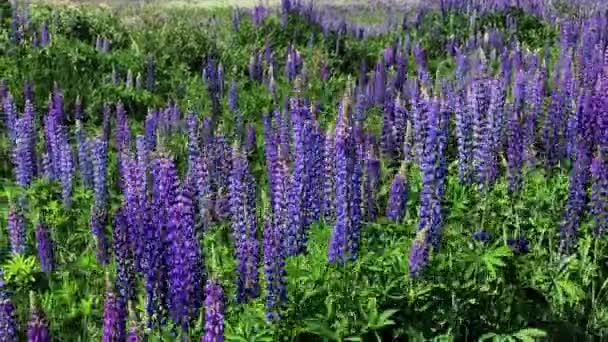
pixel 291 174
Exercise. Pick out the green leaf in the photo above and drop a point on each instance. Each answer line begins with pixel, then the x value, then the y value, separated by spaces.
pixel 530 334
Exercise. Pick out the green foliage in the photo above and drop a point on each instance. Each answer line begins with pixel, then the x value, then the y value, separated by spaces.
pixel 471 291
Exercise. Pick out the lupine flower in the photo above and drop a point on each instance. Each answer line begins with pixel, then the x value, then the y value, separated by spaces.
pixel 165 189
pixel 482 236
pixel 299 179
pixel 241 200
pixel 316 150
pixel 270 152
pixel 481 132
pixel 249 143
pixel 428 194
pixel 419 253
pixel 388 117
pixel 111 317
pixel 44 242
pixel 23 151
pixel 274 247
pixel 329 167
pixel 37 328
pixel 519 245
pixel 9 327
pixel 123 251
pixel 357 156
pixel 99 151
pixel 45 37
pixel 16 231
pixel 184 259
pixel 214 312
pixel 496 122
pixel 337 244
pixel 397 198
pixel 577 197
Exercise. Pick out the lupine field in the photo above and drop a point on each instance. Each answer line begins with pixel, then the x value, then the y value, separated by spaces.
pixel 422 172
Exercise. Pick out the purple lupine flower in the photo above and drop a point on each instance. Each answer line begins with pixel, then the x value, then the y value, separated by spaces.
pixel 577 197
pixel 222 159
pixel 337 244
pixel 57 105
pixel 397 198
pixel 429 217
pixel 150 126
pixel 45 37
pixel 372 180
pixel 496 123
pixel 358 157
pixel 299 178
pixel 399 127
pixel 67 172
pixel 481 236
pixel 329 168
pixel 84 158
pixel 16 231
pixel 165 188
pixel 255 67
pixel 241 201
pixel 519 245
pixel 274 247
pixel 388 117
pixel 481 132
pixel 99 151
pixel 519 91
pixel 97 223
pixel 45 245
pixel 249 143
pixel 184 259
pixel 9 327
pixel 45 166
pixel 442 144
pixel 515 151
pixel 315 189
pixel 134 334
pixel 214 312
pixel 111 317
pixel 37 327
pixel 419 253
pixel 23 150
pixel 270 152
pixel 123 251
pixel 599 195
